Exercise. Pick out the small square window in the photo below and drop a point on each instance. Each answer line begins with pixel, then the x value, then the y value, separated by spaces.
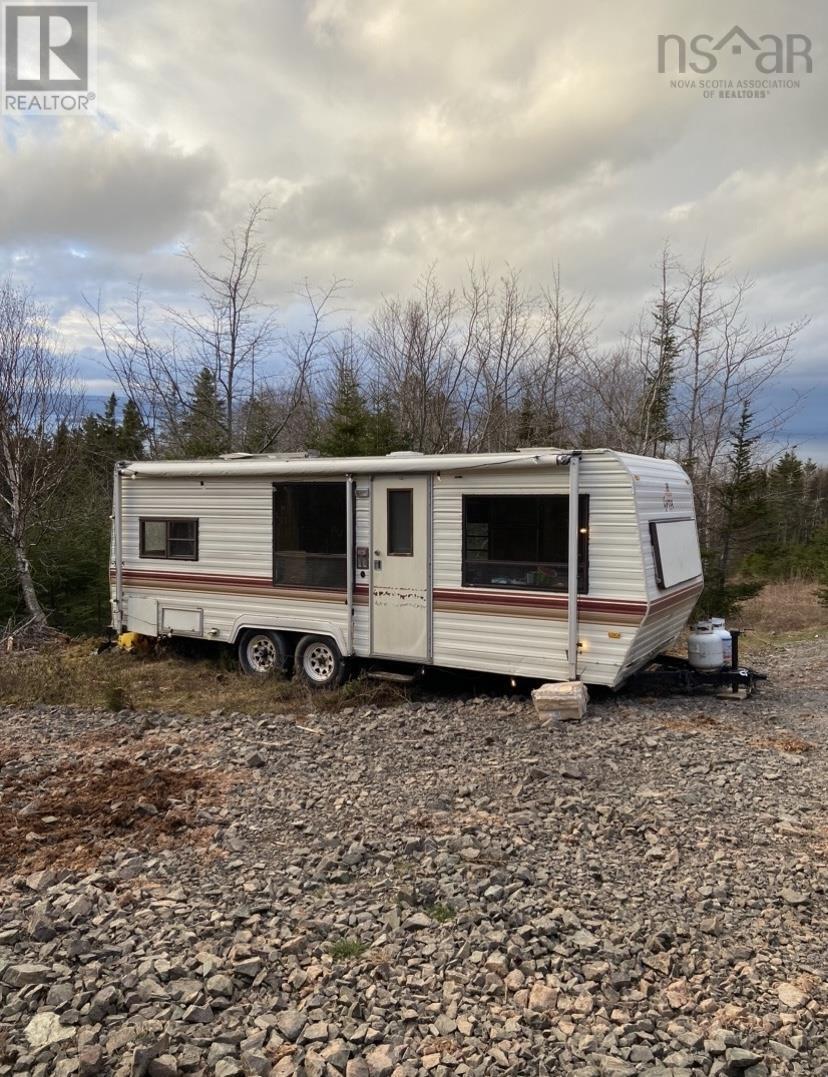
pixel 400 523
pixel 169 539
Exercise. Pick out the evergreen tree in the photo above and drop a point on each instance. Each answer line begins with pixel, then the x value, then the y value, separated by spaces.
pixel 203 429
pixel 786 492
pixel 658 390
pixel 527 423
pixel 132 434
pixel 383 435
pixel 347 430
pixel 741 518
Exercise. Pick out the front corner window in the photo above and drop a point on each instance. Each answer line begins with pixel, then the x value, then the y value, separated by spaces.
pixel 521 541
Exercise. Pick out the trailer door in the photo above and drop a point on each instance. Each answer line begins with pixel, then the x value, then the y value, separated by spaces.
pixel 400 548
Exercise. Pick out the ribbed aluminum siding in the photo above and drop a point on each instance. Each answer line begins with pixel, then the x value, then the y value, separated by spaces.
pixel 662 490
pixel 235 539
pixel 536 646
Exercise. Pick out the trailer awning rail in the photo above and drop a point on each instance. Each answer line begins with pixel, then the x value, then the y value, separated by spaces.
pixel 404 464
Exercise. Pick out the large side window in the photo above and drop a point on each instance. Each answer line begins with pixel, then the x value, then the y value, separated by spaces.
pixel 309 535
pixel 172 539
pixel 521 541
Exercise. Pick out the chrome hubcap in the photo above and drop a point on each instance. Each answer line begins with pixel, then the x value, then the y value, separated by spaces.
pixel 261 654
pixel 319 662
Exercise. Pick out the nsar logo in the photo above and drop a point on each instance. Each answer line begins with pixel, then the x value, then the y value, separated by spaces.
pixel 772 54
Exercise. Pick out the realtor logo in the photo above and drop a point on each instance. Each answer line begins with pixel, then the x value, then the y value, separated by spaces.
pixel 49 58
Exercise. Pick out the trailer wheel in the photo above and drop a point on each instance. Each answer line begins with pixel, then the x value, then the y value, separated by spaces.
pixel 262 653
pixel 319 662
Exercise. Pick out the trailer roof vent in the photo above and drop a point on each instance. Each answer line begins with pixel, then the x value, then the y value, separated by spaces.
pixel 309 454
pixel 236 455
pixel 539 448
pixel 404 454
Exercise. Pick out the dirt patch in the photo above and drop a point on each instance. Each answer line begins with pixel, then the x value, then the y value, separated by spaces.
pixel 72 814
pixel 784 743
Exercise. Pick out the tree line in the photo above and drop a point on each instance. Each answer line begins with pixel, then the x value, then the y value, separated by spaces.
pixel 490 364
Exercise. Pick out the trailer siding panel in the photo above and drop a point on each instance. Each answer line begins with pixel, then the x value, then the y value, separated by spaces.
pixel 235 544
pixel 536 646
pixel 662 491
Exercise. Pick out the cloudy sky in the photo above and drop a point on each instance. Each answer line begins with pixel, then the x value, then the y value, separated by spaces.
pixel 391 134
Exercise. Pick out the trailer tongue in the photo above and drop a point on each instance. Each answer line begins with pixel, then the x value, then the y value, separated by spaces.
pixel 671 673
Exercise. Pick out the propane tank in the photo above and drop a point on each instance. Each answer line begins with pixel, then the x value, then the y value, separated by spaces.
pixel 704 647
pixel 726 638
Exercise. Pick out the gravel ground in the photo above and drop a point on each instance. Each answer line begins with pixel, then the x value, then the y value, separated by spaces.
pixel 445 887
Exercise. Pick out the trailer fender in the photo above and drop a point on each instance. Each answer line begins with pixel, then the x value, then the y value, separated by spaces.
pixel 299 628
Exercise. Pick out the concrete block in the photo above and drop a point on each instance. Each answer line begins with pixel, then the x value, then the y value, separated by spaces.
pixel 563 702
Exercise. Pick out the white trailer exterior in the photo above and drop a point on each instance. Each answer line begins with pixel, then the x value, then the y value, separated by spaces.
pixel 542 563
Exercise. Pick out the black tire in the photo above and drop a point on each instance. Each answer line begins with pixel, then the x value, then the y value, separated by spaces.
pixel 319 662
pixel 263 653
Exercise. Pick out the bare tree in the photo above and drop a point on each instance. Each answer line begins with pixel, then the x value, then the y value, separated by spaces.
pixel 156 357
pixel 288 406
pixel 510 331
pixel 233 330
pixel 37 399
pixel 145 366
pixel 566 346
pixel 411 344
pixel 704 310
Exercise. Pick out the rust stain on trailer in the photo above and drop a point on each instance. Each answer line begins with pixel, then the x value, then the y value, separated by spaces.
pixel 399 598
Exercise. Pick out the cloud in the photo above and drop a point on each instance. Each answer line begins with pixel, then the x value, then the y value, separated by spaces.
pixel 390 135
pixel 85 187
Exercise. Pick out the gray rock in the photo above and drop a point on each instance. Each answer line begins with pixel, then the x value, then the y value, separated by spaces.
pixel 219 984
pixel 163 1066
pixel 45 1029
pixel 40 928
pixel 255 1064
pixel 740 1058
pixel 90 1060
pixel 27 973
pixel 59 995
pixel 418 921
pixel 103 1003
pixel 381 1060
pixel 217 1051
pixel 290 1024
pixel 198 1015
pixel 228 1067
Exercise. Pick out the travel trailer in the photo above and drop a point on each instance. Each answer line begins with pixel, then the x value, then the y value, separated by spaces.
pixel 540 563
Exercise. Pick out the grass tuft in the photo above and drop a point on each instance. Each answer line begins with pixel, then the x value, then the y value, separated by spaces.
pixel 347 949
pixel 115 697
pixel 441 912
pixel 192 680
